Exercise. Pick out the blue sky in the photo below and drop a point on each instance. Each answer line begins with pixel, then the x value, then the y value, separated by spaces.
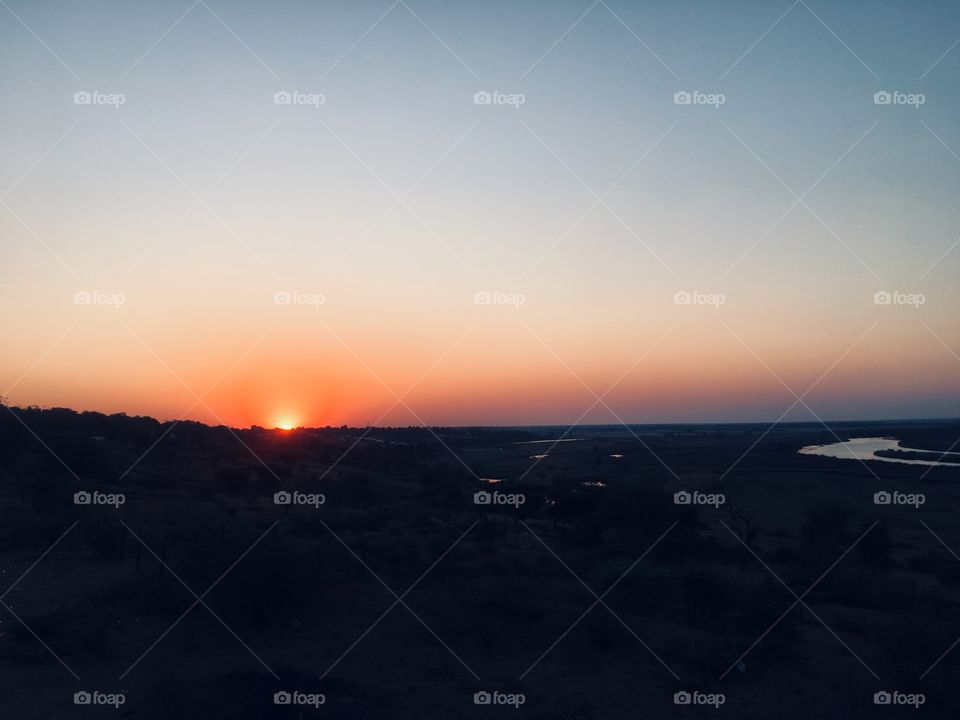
pixel 691 197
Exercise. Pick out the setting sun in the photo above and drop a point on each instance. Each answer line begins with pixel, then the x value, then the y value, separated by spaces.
pixel 286 424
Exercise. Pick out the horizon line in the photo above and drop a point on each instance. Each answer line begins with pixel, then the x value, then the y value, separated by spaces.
pixel 672 423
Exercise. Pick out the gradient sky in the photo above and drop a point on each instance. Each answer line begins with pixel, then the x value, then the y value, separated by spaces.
pixel 398 198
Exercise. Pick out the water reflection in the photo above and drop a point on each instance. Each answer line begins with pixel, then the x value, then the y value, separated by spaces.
pixel 867 448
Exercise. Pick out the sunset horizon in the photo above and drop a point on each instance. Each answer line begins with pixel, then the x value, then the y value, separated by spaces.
pixel 416 359
pixel 502 236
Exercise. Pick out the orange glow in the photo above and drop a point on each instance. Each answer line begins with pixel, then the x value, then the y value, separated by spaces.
pixel 351 370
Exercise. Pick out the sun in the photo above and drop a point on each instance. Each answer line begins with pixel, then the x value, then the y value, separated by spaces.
pixel 286 424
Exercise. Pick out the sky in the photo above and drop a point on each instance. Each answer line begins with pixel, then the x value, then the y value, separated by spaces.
pixel 454 213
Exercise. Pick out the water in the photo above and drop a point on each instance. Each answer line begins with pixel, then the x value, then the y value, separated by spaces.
pixel 866 449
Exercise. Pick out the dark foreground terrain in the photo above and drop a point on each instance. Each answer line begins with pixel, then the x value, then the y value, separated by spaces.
pixel 152 569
